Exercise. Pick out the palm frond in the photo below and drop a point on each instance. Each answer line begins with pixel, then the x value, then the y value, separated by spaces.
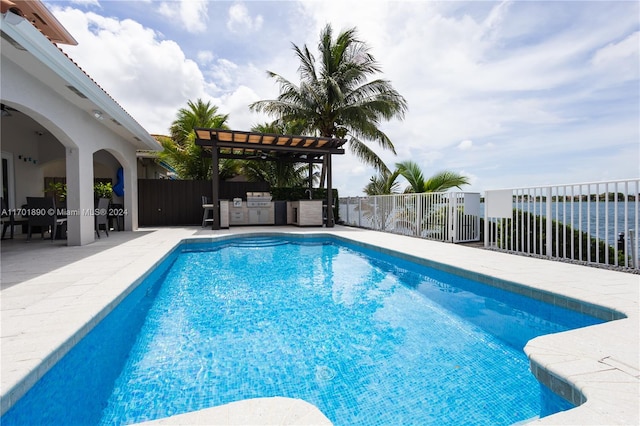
pixel 412 173
pixel 364 153
pixel 445 180
pixel 383 184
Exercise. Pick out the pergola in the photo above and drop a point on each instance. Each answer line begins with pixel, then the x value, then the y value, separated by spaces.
pixel 268 147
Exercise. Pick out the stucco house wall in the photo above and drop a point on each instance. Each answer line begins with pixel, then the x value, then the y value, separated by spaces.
pixel 68 140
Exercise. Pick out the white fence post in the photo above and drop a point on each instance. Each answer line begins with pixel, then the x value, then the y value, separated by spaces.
pixel 419 198
pixel 453 218
pixel 348 204
pixel 634 248
pixel 375 212
pixel 548 227
pixel 486 221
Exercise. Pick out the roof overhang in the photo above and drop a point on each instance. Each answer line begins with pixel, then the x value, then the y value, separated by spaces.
pixel 40 17
pixel 26 46
pixel 269 146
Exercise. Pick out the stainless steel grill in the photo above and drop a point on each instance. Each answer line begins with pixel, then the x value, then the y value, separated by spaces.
pixel 258 199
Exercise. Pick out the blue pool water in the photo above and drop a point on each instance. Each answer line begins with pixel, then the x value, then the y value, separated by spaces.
pixel 368 338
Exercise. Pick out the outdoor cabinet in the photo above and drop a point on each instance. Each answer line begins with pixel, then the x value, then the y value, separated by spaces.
pixel 237 217
pixel 261 216
pixel 224 214
pixel 243 215
pixel 306 213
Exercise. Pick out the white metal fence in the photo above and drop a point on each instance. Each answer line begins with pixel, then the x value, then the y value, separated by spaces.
pixel 442 216
pixel 595 222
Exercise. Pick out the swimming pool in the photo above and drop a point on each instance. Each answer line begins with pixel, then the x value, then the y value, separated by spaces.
pixel 277 336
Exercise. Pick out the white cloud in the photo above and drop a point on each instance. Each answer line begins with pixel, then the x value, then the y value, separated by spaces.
pixel 237 104
pixel 150 78
pixel 205 56
pixel 472 178
pixel 224 73
pixel 620 59
pixel 614 52
pixel 241 22
pixel 465 145
pixel 167 10
pixel 192 14
pixel 86 2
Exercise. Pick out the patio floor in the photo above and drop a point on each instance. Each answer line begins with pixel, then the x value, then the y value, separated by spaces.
pixel 51 295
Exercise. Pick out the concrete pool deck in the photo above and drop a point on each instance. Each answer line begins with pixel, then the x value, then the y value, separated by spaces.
pixel 51 295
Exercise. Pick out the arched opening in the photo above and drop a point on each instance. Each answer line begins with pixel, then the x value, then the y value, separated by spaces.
pixel 108 173
pixel 30 151
pixel 39 159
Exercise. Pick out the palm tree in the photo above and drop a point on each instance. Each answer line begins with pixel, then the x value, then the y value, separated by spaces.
pixel 440 182
pixel 383 184
pixel 278 174
pixel 334 97
pixel 180 150
pixel 404 214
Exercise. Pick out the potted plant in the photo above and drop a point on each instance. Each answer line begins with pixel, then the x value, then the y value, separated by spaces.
pixel 58 190
pixel 103 190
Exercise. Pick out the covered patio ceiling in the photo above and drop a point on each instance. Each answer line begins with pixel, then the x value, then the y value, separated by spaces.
pixel 268 147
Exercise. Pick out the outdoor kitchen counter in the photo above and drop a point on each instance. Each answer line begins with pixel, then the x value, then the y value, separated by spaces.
pixel 245 215
pixel 305 212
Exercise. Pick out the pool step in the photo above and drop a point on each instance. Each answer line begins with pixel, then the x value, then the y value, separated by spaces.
pixel 255 242
pixel 245 242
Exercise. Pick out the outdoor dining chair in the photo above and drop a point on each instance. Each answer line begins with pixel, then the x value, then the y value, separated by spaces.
pixel 7 218
pixel 207 208
pixel 43 214
pixel 101 216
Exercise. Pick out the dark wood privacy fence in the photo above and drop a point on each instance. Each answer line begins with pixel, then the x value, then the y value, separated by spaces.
pixel 163 202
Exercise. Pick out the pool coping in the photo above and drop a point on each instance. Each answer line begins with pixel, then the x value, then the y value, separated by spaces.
pixel 574 364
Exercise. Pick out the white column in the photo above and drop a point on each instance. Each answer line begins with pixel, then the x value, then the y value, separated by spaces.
pixel 80 221
pixel 130 197
pixel 548 225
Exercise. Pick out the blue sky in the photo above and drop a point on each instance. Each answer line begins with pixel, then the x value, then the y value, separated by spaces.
pixel 510 94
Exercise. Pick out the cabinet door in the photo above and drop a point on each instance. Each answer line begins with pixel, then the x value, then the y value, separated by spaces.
pixel 264 216
pixel 260 217
pixel 254 216
pixel 237 216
